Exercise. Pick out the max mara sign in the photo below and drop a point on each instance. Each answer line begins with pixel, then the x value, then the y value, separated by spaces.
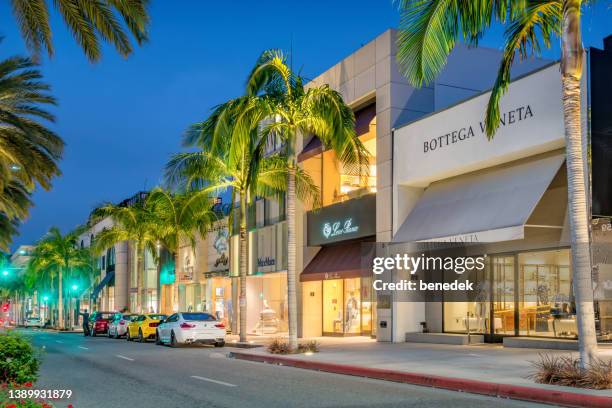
pixel 453 141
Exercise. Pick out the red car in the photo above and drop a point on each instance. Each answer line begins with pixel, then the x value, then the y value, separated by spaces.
pixel 99 321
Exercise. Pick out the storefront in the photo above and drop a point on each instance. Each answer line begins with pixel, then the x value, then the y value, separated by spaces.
pixel 217 286
pixel 266 285
pixel 507 197
pixel 336 287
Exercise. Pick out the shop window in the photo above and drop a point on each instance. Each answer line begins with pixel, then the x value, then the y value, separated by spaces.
pixel 546 306
pixel 267 304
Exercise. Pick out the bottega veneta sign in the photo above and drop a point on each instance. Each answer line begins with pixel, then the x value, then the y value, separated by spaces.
pixel 506 119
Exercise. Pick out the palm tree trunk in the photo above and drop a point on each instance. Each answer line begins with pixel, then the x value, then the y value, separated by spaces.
pixel 140 274
pixel 244 262
pixel 60 301
pixel 577 200
pixel 291 258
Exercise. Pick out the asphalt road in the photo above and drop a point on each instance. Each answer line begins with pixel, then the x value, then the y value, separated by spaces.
pixel 102 372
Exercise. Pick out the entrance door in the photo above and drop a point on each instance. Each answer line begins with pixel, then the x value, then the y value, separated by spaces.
pixel 503 281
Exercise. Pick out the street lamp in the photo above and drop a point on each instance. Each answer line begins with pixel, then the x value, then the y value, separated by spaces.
pixel 5 272
pixel 75 287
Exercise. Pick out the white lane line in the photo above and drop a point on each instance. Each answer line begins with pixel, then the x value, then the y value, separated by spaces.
pixel 59 341
pixel 83 348
pixel 197 377
pixel 124 357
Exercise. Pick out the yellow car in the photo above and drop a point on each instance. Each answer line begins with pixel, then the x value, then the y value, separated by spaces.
pixel 143 327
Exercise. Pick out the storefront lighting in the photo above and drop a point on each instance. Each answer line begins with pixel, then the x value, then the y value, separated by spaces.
pixel 308 353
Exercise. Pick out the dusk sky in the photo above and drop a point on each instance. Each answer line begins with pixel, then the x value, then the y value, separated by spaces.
pixel 121 119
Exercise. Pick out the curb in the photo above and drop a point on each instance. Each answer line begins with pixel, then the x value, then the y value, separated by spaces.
pixel 519 392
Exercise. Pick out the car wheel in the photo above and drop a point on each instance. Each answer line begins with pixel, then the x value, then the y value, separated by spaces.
pixel 220 344
pixel 173 342
pixel 158 339
pixel 141 338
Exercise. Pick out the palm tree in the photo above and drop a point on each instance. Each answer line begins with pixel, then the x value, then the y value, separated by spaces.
pixel 298 111
pixel 429 29
pixel 60 253
pixel 29 151
pixel 233 157
pixel 89 21
pixel 135 223
pixel 178 218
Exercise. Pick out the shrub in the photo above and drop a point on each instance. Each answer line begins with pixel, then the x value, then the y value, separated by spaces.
pixel 565 370
pixel 310 346
pixel 279 346
pixel 19 361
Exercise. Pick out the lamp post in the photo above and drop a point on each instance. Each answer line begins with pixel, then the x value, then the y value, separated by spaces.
pixel 45 308
pixel 73 288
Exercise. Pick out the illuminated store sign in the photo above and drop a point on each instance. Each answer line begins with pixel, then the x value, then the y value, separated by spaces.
pixel 343 221
pixel 334 229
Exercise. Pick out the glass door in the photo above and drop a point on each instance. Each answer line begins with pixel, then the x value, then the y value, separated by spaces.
pixel 503 281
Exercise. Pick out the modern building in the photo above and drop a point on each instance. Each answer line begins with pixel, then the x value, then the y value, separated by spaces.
pixel 508 196
pixel 336 297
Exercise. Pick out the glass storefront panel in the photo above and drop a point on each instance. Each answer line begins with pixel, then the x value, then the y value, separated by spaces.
pixel 218 299
pixel 502 271
pixel 352 306
pixel 267 306
pixel 546 306
pixel 347 306
pixel 333 312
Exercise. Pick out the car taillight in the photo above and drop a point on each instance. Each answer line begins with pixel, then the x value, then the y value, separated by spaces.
pixel 122 322
pixel 187 326
pixel 220 326
pixel 153 324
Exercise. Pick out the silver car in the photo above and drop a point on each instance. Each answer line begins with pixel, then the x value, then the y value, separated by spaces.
pixel 118 326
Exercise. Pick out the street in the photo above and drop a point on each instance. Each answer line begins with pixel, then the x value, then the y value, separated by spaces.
pixel 103 372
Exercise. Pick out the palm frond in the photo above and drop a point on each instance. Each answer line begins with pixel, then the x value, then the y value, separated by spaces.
pixel 539 21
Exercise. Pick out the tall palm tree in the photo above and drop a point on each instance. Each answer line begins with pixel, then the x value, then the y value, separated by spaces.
pixel 233 157
pixel 298 111
pixel 29 151
pixel 179 217
pixel 429 30
pixel 60 253
pixel 135 223
pixel 89 22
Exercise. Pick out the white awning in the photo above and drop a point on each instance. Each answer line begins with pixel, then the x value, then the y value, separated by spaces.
pixel 485 206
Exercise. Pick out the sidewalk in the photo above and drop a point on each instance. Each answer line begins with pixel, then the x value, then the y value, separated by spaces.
pixel 489 366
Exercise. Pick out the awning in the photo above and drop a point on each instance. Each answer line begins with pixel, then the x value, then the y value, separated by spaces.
pixel 107 278
pixel 336 262
pixel 486 206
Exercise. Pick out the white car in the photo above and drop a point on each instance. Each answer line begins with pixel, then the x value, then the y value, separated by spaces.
pixel 33 322
pixel 118 327
pixel 191 327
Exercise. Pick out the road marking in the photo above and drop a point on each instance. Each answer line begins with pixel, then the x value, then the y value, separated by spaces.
pixel 125 358
pixel 197 377
pixel 84 348
pixel 59 341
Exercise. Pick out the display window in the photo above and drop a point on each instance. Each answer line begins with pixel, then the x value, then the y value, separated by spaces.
pixel 523 294
pixel 347 307
pixel 267 305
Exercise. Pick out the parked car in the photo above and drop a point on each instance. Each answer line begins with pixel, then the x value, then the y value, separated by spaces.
pixel 98 322
pixel 191 327
pixel 33 322
pixel 118 326
pixel 143 327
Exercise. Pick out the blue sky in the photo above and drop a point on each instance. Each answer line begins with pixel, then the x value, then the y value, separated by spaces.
pixel 121 119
